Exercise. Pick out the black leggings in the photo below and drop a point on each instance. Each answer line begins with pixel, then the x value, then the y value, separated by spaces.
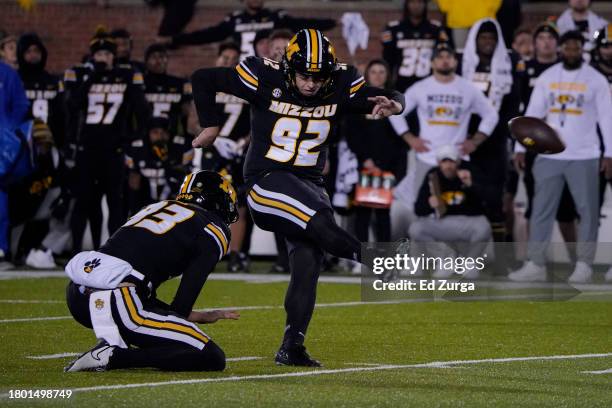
pixel 382 223
pixel 98 174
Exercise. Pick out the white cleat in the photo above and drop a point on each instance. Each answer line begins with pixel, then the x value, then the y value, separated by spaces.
pixel 529 272
pixel 608 275
pixel 583 273
pixel 39 259
pixel 95 359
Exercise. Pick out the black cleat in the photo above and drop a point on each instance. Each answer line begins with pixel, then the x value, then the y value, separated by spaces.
pixel 234 263
pixel 295 356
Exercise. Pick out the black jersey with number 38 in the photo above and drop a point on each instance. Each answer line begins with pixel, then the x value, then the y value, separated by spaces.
pixel 287 132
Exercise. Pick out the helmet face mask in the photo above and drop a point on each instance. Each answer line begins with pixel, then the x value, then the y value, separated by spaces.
pixel 210 191
pixel 310 54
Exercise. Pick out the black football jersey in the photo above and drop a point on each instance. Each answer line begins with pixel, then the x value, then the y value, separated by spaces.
pixel 168 239
pixel 162 168
pixel 243 27
pixel 110 106
pixel 45 94
pixel 527 72
pixel 166 95
pixel 408 48
pixel 287 132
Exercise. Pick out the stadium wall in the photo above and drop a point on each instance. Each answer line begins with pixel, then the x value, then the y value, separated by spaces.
pixel 66 26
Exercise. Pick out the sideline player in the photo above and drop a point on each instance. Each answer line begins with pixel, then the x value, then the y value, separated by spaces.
pixel 295 107
pixel 573 98
pixel 245 25
pixel 113 290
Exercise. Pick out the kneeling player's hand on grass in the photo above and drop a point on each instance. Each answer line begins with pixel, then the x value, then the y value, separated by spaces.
pixel 206 137
pixel 384 107
pixel 212 316
pixel 606 167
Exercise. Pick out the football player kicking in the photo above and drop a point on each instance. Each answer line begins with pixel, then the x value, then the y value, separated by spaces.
pixel 113 290
pixel 295 108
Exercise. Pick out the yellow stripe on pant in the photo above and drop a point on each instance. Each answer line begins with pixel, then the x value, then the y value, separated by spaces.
pixel 138 319
pixel 280 205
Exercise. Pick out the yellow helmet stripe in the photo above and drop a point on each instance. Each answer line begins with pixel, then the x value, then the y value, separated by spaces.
pixel 185 184
pixel 314 48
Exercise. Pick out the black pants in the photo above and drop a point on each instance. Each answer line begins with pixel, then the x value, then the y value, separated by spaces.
pixel 382 223
pixel 98 173
pixel 300 210
pixel 164 340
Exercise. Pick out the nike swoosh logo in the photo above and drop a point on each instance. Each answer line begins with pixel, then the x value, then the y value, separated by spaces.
pixel 96 356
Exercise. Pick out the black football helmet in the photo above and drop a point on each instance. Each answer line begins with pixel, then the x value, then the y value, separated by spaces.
pixel 603 38
pixel 309 53
pixel 102 41
pixel 212 192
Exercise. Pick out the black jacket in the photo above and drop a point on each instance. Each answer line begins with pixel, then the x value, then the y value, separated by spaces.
pixel 459 198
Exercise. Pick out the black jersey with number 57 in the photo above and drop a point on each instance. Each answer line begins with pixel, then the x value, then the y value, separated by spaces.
pixel 110 105
pixel 288 132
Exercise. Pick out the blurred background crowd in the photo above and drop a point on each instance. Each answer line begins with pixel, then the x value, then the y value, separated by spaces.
pixel 92 141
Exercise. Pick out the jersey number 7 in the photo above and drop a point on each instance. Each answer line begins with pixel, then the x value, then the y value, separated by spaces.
pixel 285 137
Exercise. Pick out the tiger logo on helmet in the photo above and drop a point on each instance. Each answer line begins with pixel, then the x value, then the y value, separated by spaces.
pixel 210 191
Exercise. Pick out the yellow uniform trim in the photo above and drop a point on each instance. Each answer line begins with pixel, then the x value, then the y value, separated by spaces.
pixel 568 111
pixel 443 122
pixel 246 76
pixel 219 234
pixel 158 325
pixel 277 204
pixel 357 87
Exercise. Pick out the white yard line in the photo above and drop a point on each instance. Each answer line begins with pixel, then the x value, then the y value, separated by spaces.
pixel 63 355
pixel 274 278
pixel 52 356
pixel 312 373
pixel 534 296
pixel 608 371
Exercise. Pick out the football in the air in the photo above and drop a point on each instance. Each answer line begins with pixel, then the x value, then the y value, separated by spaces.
pixel 536 135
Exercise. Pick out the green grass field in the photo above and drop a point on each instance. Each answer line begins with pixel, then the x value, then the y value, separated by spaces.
pixel 407 354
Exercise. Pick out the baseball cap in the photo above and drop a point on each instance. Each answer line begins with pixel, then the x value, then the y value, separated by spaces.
pixel 447 152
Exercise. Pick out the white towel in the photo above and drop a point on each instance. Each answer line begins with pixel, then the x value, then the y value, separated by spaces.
pixel 347 175
pixel 501 66
pixel 355 31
